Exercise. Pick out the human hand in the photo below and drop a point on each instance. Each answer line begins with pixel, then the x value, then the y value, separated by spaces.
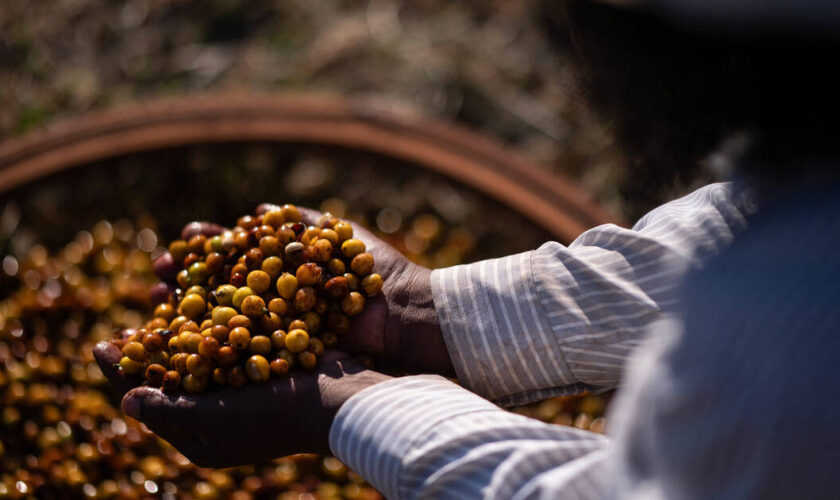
pixel 257 422
pixel 398 328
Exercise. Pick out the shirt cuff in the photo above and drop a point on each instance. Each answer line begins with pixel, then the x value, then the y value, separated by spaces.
pixel 375 429
pixel 497 334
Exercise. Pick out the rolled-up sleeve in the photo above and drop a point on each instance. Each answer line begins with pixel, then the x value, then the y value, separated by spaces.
pixel 425 437
pixel 561 319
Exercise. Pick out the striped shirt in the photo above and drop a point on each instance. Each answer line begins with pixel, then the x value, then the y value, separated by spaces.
pixel 562 319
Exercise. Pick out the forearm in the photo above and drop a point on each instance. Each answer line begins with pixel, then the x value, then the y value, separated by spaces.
pixel 424 437
pixel 560 319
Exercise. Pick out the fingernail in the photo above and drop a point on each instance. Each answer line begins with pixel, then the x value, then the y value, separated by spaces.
pixel 131 407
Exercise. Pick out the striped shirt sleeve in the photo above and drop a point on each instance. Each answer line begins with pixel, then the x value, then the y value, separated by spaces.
pixel 561 319
pixel 425 437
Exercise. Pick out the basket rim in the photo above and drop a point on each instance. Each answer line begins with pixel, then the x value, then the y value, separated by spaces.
pixel 550 200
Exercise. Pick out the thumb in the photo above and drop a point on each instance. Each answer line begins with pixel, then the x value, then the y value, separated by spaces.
pixel 108 355
pixel 159 411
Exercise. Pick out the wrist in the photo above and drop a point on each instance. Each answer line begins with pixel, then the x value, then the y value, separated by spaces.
pixel 418 343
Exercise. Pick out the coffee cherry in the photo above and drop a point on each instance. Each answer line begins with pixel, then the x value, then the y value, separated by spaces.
pixel 129 366
pixel 371 284
pixel 240 295
pixel 237 377
pixel 240 320
pixel 305 299
pixel 153 342
pixel 352 248
pixel 273 266
pixel 260 344
pixel 259 281
pixel 287 285
pixel 154 374
pixel 278 340
pixel 194 384
pixel 278 306
pixel 337 287
pixel 344 231
pixel 239 338
pixel 135 351
pixel 178 250
pixel 297 340
pixel 198 365
pixel 171 382
pixel 208 348
pixel 222 315
pixel 308 274
pixel 279 367
pixel 307 360
pixel 165 311
pixel 227 356
pixel 192 306
pixel 353 303
pixel 257 368
pixel 253 306
pixel 362 264
pixel 336 267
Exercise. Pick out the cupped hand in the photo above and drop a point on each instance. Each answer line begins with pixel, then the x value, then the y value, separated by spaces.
pixel 398 328
pixel 227 427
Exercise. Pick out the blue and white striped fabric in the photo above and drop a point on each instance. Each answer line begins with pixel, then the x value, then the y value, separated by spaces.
pixel 560 319
pixel 522 328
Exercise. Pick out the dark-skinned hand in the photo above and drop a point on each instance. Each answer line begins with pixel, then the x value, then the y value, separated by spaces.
pixel 291 415
pixel 228 427
pixel 398 328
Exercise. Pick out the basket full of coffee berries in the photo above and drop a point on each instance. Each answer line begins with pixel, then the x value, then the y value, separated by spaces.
pixel 252 302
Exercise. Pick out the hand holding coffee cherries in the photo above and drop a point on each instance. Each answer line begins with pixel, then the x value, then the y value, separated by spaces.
pixel 397 328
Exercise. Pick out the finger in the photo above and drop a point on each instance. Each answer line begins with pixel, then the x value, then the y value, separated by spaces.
pixel 201 227
pixel 165 267
pixel 309 216
pixel 162 413
pixel 108 357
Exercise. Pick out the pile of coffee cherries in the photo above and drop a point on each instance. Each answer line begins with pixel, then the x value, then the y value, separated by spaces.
pixel 252 302
pixel 62 432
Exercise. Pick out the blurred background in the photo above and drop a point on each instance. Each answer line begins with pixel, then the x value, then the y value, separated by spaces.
pixel 76 246
pixel 484 64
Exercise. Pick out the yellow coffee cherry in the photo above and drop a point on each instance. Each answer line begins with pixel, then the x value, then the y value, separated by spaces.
pixel 287 286
pixel 371 284
pixel 297 340
pixel 272 266
pixel 224 295
pixel 135 351
pixel 221 315
pixel 344 231
pixel 129 366
pixel 257 368
pixel 260 344
pixel 193 306
pixel 290 213
pixel 362 264
pixel 240 295
pixel 259 281
pixel 165 311
pixel 352 248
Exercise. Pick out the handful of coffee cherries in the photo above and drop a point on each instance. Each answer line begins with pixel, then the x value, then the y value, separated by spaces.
pixel 253 302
